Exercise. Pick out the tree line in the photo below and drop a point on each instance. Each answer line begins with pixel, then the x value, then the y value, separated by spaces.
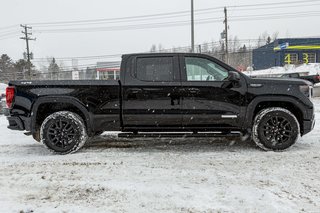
pixel 19 70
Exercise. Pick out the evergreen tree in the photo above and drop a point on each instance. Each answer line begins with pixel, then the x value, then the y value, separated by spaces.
pixel 6 68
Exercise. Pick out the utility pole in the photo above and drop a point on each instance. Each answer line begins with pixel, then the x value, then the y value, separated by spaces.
pixel 27 38
pixel 226 34
pixel 192 27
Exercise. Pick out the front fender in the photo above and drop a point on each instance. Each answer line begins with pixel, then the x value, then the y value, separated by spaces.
pixel 277 99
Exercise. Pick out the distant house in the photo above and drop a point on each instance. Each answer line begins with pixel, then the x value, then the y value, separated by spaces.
pixel 287 51
pixel 108 70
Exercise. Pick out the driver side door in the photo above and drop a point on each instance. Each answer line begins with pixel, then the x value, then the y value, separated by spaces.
pixel 205 102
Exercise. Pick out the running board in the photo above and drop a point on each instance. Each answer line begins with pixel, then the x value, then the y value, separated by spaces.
pixel 27 133
pixel 177 135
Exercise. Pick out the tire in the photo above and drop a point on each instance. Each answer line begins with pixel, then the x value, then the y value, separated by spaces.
pixel 275 129
pixel 63 132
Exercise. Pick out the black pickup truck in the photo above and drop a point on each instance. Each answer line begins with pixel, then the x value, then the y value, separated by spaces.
pixel 190 94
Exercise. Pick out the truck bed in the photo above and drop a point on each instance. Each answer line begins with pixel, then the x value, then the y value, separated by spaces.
pixel 100 98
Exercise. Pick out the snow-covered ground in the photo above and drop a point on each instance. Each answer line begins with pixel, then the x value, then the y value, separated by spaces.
pixel 159 175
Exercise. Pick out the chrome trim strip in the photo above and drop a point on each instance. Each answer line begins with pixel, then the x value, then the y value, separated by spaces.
pixel 229 116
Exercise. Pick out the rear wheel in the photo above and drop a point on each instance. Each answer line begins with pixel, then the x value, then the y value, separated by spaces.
pixel 275 129
pixel 63 132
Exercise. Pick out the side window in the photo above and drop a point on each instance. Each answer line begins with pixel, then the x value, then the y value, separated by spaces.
pixel 154 69
pixel 201 69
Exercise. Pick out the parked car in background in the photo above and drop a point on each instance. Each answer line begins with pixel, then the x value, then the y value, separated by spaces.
pixel 3 106
pixel 312 78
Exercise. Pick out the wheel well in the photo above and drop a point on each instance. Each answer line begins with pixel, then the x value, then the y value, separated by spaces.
pixel 286 105
pixel 46 109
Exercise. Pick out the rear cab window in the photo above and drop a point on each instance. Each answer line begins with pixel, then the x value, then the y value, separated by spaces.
pixel 155 69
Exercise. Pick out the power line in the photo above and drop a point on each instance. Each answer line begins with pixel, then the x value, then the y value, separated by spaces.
pixel 82 57
pixel 125 20
pixel 172 14
pixel 181 23
pixel 8 36
pixel 110 21
pixel 293 16
pixel 128 27
pixel 157 16
pixel 8 27
pixel 273 3
pixel 274 14
pixel 161 15
pixel 273 7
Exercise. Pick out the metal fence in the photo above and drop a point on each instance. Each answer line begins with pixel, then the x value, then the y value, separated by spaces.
pixel 239 60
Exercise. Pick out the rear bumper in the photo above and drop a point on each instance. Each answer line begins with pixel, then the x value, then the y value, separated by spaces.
pixel 19 123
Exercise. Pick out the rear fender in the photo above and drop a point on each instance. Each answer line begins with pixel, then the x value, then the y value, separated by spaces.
pixel 68 100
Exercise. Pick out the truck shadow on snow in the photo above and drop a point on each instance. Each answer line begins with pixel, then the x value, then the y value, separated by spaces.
pixel 174 144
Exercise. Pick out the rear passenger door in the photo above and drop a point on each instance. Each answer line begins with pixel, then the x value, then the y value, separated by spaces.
pixel 151 97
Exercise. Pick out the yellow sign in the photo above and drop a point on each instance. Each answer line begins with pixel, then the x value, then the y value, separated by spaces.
pixel 299 47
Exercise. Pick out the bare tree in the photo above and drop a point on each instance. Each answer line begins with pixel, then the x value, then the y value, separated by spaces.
pixel 275 35
pixel 153 48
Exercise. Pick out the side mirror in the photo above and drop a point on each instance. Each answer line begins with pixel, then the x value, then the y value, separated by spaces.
pixel 233 80
pixel 233 76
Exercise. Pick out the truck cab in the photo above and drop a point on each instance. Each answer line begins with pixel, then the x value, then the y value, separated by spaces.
pixel 180 91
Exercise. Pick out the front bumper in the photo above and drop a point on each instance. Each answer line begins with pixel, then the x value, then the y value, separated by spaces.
pixel 308 126
pixel 18 123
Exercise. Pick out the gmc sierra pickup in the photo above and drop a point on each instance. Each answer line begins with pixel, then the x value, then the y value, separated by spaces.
pixel 193 94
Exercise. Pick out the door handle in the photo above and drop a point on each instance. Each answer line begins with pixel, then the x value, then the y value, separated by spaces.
pixel 193 90
pixel 135 91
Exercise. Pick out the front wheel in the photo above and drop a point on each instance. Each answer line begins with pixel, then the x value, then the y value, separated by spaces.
pixel 275 129
pixel 63 132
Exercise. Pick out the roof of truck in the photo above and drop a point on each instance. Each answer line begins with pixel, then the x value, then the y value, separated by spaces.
pixel 161 54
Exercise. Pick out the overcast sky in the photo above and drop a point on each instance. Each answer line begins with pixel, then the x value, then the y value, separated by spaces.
pixel 15 12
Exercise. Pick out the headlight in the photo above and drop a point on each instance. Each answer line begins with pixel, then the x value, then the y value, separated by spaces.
pixel 306 90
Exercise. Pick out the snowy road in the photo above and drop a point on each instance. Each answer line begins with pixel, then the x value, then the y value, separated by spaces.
pixel 115 175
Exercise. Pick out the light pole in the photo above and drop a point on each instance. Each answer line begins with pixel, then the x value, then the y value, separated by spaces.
pixel 192 27
pixel 226 34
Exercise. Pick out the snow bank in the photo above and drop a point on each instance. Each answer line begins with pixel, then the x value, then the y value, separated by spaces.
pixel 307 69
pixel 3 88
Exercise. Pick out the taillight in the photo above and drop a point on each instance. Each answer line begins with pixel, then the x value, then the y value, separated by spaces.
pixel 9 96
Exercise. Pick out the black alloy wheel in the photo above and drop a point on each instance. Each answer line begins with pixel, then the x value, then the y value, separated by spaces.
pixel 63 132
pixel 275 128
